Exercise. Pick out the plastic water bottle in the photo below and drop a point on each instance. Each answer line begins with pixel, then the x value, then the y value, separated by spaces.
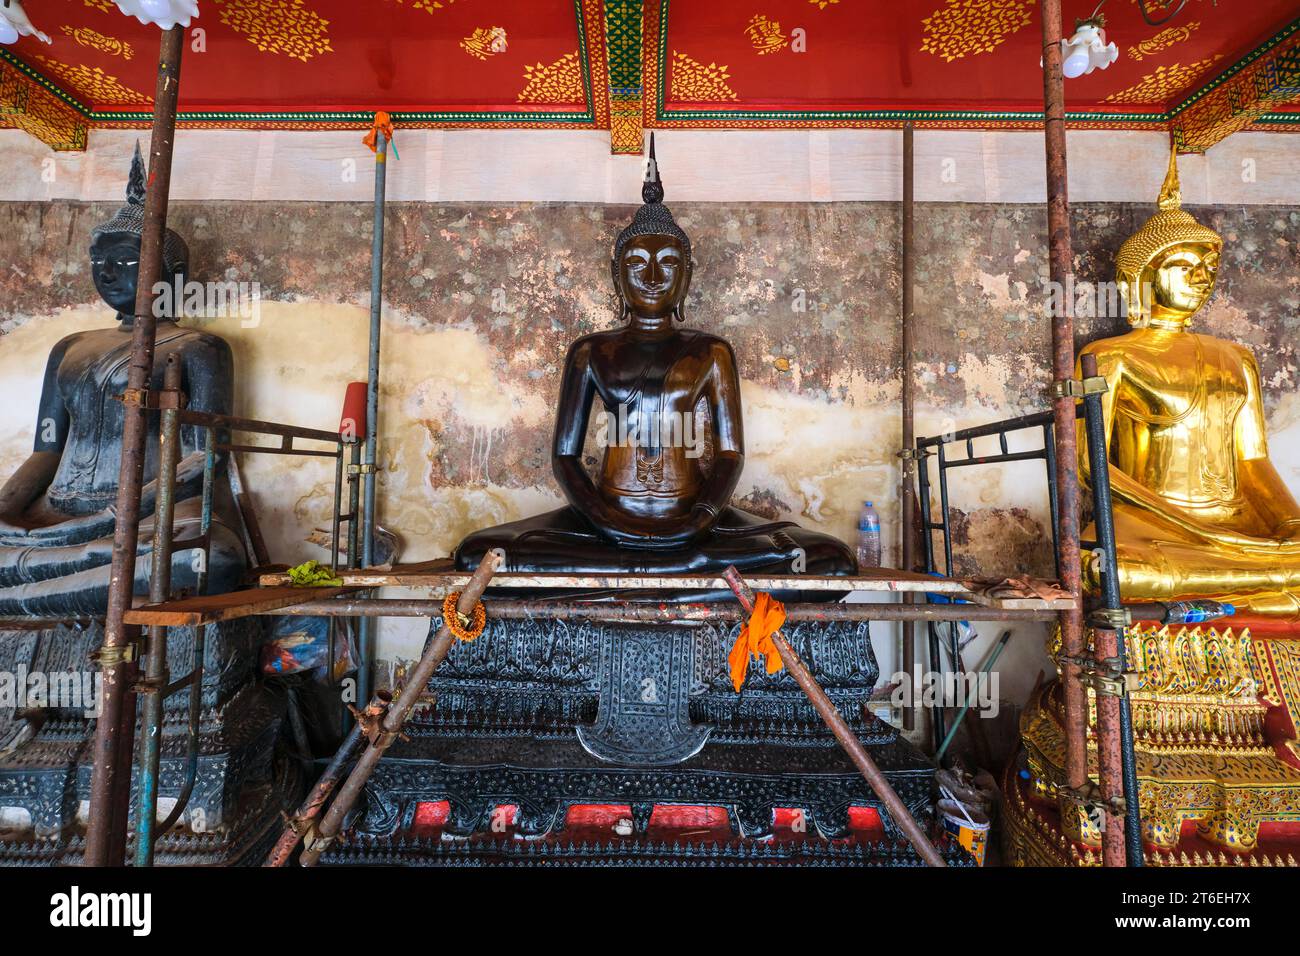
pixel 1196 612
pixel 868 537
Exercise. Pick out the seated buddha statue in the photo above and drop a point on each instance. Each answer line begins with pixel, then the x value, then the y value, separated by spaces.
pixel 674 447
pixel 1200 510
pixel 57 509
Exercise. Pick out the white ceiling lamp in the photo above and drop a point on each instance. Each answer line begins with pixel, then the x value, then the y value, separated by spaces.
pixel 165 13
pixel 14 23
pixel 1087 50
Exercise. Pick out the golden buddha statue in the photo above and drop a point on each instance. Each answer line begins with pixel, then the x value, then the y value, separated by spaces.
pixel 1200 511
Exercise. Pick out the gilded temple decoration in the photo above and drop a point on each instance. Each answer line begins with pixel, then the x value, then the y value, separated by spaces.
pixel 766 34
pixel 823 4
pixel 692 80
pixel 29 106
pixel 970 27
pixel 485 42
pixel 1166 82
pixel 1170 36
pixel 1204 710
pixel 558 82
pixel 272 26
pixel 98 41
pixel 103 6
pixel 92 83
pixel 623 21
pixel 1238 98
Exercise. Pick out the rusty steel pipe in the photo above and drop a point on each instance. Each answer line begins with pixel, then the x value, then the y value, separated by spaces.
pixel 311 807
pixel 160 585
pixel 111 757
pixel 636 612
pixel 907 498
pixel 1061 269
pixel 395 717
pixel 878 782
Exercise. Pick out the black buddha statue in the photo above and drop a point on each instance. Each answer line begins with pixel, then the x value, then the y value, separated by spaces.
pixel 57 509
pixel 672 436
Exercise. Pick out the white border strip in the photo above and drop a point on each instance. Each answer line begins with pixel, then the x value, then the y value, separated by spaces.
pixel 451 166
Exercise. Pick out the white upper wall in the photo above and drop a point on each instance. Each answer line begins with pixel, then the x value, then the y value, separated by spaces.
pixel 699 165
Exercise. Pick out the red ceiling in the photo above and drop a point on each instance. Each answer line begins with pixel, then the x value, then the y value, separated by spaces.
pixel 409 55
pixel 388 54
pixel 869 55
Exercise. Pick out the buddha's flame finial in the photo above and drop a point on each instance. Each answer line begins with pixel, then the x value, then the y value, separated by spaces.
pixel 1171 195
pixel 652 190
pixel 129 218
pixel 135 183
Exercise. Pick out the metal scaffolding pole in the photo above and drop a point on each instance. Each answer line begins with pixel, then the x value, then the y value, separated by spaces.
pixel 110 786
pixel 1061 268
pixel 907 498
pixel 365 636
pixel 1116 761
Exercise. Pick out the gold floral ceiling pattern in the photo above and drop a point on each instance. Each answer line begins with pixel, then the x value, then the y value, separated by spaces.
pixel 485 42
pixel 765 34
pixel 429 6
pixel 1163 40
pixel 1165 82
pixel 278 26
pixel 970 27
pixel 93 83
pixel 97 41
pixel 694 81
pixel 558 82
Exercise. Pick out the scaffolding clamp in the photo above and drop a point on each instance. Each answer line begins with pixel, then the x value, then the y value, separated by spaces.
pixel 151 685
pixel 160 398
pixel 312 840
pixel 367 469
pixel 909 454
pixel 1090 795
pixel 112 655
pixel 1077 388
pixel 1106 677
pixel 1111 618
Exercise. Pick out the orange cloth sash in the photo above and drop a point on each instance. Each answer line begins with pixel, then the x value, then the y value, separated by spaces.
pixel 755 638
pixel 383 124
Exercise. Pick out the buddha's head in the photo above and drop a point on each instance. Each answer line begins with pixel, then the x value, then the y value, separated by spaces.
pixel 1166 270
pixel 115 248
pixel 651 265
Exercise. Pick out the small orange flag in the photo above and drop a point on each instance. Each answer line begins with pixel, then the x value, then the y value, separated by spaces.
pixel 755 638
pixel 383 124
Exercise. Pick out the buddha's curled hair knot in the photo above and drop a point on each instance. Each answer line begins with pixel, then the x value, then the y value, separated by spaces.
pixel 653 218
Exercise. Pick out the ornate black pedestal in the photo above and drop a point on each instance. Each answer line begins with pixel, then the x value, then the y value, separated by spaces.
pixel 239 790
pixel 547 715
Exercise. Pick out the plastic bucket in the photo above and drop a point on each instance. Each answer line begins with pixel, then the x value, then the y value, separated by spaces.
pixel 968 825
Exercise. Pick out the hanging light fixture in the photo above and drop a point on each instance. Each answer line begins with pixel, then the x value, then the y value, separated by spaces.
pixel 1087 50
pixel 165 13
pixel 14 24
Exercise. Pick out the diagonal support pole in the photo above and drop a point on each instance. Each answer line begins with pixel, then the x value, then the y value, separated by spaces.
pixel 843 733
pixel 394 718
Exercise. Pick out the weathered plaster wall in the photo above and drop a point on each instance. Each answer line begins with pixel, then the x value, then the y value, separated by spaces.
pixel 482 300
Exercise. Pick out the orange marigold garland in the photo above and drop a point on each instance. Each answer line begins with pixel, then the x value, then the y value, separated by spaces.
pixel 465 627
